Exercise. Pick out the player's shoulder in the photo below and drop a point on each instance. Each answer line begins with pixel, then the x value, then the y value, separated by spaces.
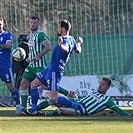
pixel 68 37
pixel 41 33
pixel 42 36
pixel 108 96
pixel 7 33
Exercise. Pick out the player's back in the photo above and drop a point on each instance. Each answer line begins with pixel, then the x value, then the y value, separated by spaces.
pixel 5 53
pixel 59 57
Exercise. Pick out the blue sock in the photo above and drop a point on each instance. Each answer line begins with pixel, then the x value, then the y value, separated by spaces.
pixel 65 101
pixel 34 97
pixel 15 95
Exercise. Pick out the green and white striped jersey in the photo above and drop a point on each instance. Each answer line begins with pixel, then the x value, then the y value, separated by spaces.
pixel 35 47
pixel 95 102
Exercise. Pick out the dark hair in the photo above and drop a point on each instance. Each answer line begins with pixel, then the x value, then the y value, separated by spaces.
pixel 107 80
pixel 34 17
pixel 22 38
pixel 65 24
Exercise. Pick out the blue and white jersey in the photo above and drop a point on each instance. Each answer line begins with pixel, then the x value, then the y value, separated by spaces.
pixel 60 58
pixel 5 53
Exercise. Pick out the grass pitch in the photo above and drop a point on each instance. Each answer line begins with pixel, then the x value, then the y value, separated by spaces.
pixel 99 123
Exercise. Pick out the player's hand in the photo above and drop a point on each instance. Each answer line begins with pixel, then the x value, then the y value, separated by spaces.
pixel 36 58
pixel 27 60
pixel 60 41
pixel 79 40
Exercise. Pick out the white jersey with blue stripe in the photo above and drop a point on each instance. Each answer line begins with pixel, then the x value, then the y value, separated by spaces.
pixel 60 58
pixel 5 53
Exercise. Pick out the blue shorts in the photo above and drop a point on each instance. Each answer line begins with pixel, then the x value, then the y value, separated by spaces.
pixel 50 78
pixel 6 74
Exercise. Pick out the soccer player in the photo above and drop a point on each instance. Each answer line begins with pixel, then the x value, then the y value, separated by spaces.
pixel 38 47
pixel 5 63
pixel 95 102
pixel 52 75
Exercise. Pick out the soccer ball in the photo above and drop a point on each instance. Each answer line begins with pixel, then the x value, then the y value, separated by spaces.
pixel 18 54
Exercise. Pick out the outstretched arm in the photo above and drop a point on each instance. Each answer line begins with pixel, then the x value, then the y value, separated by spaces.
pixel 120 111
pixel 63 48
pixel 114 107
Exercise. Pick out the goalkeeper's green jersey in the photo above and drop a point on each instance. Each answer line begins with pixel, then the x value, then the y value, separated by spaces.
pixel 35 47
pixel 95 102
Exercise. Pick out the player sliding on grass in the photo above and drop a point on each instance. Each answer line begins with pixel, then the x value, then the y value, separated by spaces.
pixel 94 102
pixel 52 75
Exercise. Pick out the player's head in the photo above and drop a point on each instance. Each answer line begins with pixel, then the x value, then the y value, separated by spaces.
pixel 22 38
pixel 63 28
pixel 104 85
pixel 34 23
pixel 1 24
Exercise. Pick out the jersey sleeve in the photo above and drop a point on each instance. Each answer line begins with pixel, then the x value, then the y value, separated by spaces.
pixel 42 37
pixel 65 41
pixel 114 107
pixel 9 37
pixel 75 45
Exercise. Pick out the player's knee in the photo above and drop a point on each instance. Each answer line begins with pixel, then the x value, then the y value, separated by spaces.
pixel 24 84
pixel 9 86
pixel 36 82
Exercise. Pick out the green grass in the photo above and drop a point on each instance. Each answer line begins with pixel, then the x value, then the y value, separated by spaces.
pixel 10 123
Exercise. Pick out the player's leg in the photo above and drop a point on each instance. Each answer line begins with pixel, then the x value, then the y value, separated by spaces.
pixel 17 80
pixel 55 98
pixel 39 80
pixel 14 92
pixel 34 96
pixel 66 102
pixel 54 93
pixel 66 92
pixel 24 91
pixel 63 91
pixel 67 111
pixel 7 77
pixel 15 95
pixel 44 104
pixel 28 76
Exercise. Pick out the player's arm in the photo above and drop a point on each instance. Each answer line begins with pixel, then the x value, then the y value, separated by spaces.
pixel 79 41
pixel 64 48
pixel 8 43
pixel 6 46
pixel 47 48
pixel 114 107
pixel 120 111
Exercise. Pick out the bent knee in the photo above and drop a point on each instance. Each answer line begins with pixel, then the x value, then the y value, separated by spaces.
pixel 36 82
